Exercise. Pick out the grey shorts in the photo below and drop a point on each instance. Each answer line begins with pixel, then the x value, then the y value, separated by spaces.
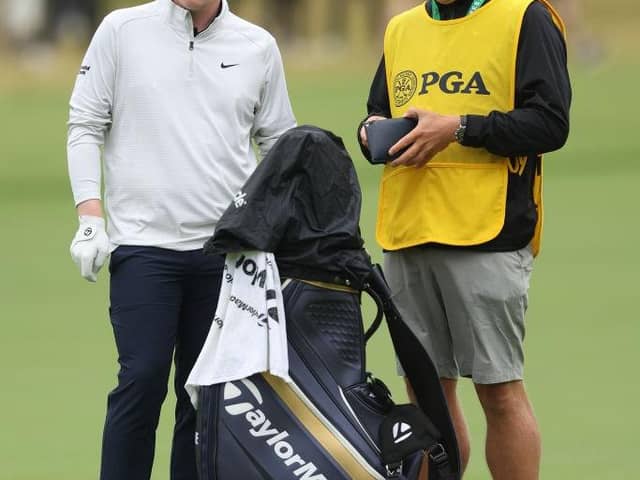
pixel 466 307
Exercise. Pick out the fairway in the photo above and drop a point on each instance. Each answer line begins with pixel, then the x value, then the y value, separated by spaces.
pixel 57 352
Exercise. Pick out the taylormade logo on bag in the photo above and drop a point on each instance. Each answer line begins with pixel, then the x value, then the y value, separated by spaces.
pixel 262 428
pixel 401 431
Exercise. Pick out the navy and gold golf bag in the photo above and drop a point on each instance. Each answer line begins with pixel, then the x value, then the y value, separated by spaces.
pixel 334 421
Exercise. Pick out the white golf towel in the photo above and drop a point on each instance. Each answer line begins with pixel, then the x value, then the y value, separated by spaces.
pixel 248 334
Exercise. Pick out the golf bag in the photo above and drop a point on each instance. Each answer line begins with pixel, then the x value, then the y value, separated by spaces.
pixel 334 421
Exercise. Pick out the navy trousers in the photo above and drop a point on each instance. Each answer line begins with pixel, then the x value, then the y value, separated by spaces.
pixel 162 304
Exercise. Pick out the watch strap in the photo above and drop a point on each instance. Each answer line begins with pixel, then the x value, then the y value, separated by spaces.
pixel 461 130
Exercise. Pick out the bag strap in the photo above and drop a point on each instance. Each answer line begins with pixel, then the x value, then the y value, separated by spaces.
pixel 377 321
pixel 423 376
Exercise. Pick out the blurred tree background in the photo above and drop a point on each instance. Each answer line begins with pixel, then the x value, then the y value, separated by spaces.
pixel 40 39
pixel 290 20
pixel 320 25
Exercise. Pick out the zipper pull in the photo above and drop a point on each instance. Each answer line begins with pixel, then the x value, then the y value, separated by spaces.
pixel 191 45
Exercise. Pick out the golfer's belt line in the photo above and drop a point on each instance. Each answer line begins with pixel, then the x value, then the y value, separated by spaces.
pixel 327 435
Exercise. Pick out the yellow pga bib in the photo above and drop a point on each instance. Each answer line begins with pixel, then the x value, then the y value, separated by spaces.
pixel 461 66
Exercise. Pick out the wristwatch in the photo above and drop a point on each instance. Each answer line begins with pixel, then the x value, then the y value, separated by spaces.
pixel 462 128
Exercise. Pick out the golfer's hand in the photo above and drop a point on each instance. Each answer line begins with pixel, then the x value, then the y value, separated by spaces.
pixel 433 134
pixel 90 246
pixel 363 131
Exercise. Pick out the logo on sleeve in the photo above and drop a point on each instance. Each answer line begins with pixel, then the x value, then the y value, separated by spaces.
pixel 239 199
pixel 84 69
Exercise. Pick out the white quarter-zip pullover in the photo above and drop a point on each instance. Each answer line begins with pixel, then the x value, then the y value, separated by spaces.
pixel 176 114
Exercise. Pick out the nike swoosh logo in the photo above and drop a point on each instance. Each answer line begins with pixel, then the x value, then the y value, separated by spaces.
pixel 222 65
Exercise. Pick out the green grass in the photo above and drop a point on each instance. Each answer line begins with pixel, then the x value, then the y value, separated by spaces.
pixel 58 358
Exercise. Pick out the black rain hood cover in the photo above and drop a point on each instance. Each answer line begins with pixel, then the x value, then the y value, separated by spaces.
pixel 302 203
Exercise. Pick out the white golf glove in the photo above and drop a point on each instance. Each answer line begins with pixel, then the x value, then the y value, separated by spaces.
pixel 90 246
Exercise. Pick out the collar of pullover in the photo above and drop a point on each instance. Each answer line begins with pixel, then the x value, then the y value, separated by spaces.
pixel 180 19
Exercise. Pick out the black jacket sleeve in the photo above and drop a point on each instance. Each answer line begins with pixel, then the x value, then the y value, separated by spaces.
pixel 377 104
pixel 540 121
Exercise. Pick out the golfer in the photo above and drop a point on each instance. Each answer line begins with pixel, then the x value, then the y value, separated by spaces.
pixel 167 102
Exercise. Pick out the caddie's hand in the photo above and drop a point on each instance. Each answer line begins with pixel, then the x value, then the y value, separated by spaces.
pixel 432 134
pixel 90 246
pixel 363 131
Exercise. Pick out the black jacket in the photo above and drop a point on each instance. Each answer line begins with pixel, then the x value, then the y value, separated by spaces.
pixel 302 203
